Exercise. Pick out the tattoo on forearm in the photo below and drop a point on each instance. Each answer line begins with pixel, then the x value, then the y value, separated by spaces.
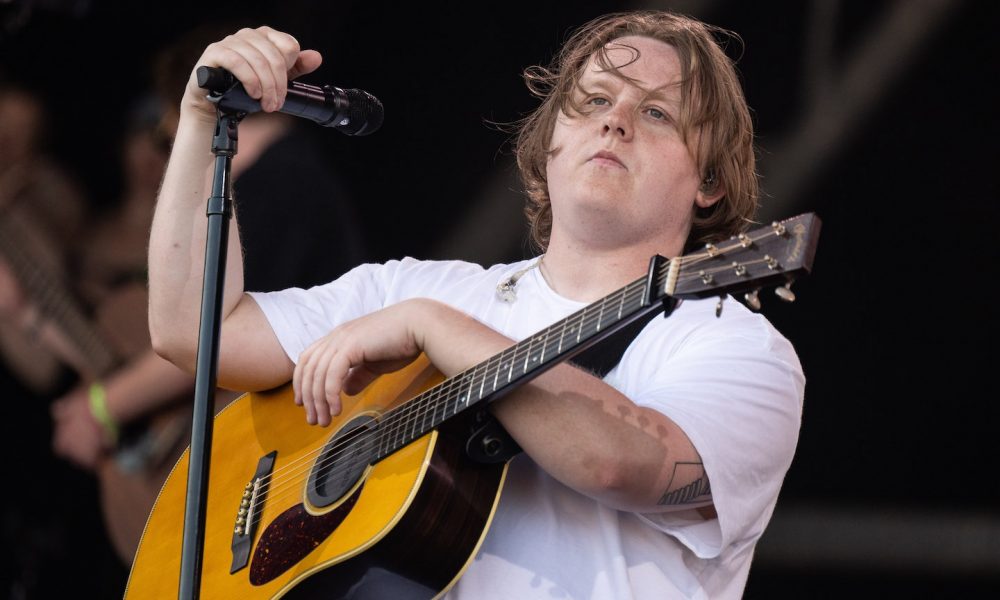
pixel 696 491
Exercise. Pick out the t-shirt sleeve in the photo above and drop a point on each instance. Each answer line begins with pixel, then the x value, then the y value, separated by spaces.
pixel 301 316
pixel 737 394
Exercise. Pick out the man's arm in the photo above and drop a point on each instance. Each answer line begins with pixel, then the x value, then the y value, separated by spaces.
pixel 577 428
pixel 250 356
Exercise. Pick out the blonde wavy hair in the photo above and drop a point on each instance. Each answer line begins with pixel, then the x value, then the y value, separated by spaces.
pixel 713 111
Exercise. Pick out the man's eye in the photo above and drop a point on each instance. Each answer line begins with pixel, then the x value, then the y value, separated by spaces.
pixel 656 113
pixel 598 101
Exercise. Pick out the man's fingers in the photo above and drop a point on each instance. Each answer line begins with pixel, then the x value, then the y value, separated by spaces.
pixel 298 62
pixel 317 383
pixel 272 84
pixel 277 63
pixel 306 62
pixel 284 43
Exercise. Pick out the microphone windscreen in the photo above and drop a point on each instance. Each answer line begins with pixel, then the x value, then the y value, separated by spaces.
pixel 365 113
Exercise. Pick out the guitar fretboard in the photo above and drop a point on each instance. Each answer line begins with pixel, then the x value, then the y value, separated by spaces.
pixel 54 301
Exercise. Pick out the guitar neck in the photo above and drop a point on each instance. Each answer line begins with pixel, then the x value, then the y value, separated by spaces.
pixel 54 301
pixel 766 256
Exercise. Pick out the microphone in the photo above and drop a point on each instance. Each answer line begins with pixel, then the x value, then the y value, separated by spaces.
pixel 351 111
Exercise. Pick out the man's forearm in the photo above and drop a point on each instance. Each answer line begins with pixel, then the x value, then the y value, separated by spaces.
pixel 177 246
pixel 578 428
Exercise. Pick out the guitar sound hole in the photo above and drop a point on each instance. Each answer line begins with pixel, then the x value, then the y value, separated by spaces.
pixel 342 462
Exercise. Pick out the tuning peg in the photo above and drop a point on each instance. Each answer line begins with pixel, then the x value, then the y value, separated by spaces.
pixel 785 292
pixel 753 300
pixel 718 307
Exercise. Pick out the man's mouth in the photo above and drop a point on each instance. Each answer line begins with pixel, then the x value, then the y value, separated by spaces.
pixel 609 158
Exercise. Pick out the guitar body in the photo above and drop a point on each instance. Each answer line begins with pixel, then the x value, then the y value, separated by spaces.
pixel 406 528
pixel 129 481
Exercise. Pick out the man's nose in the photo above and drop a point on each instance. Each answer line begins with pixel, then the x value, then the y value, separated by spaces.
pixel 618 121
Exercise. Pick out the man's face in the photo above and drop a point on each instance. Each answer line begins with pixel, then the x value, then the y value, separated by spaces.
pixel 620 173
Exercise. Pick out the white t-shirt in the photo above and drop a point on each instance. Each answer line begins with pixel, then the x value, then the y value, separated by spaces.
pixel 733 384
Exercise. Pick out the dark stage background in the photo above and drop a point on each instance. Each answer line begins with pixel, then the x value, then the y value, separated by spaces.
pixel 879 116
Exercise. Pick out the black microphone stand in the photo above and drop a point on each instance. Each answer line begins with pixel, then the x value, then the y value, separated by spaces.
pixel 220 210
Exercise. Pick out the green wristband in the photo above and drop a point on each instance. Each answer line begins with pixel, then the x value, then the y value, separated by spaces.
pixel 99 410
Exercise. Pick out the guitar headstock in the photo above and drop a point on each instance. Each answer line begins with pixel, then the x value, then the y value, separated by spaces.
pixel 772 255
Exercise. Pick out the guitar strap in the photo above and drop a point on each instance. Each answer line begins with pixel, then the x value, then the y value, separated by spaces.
pixel 490 442
pixel 603 356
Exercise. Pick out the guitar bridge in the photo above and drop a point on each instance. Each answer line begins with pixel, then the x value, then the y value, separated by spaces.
pixel 247 515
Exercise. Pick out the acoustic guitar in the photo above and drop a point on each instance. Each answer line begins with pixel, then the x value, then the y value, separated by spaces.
pixel 130 479
pixel 403 485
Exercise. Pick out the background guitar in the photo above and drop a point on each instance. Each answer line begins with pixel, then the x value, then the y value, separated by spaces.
pixel 95 344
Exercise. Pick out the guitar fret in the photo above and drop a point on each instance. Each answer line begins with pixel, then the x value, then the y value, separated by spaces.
pixel 545 342
pixel 465 394
pixel 456 399
pixel 538 350
pixel 395 437
pixel 497 374
pixel 429 404
pixel 409 423
pixel 527 355
pixel 486 369
pixel 417 409
pixel 404 426
pixel 426 418
pixel 434 406
pixel 380 451
pixel 501 366
pixel 552 346
pixel 394 431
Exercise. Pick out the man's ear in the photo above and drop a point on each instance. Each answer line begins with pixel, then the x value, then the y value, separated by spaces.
pixel 710 192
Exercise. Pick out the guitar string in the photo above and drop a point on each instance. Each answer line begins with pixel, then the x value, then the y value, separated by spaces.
pixel 420 406
pixel 425 401
pixel 393 422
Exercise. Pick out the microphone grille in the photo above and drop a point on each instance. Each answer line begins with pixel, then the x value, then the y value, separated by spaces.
pixel 365 113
